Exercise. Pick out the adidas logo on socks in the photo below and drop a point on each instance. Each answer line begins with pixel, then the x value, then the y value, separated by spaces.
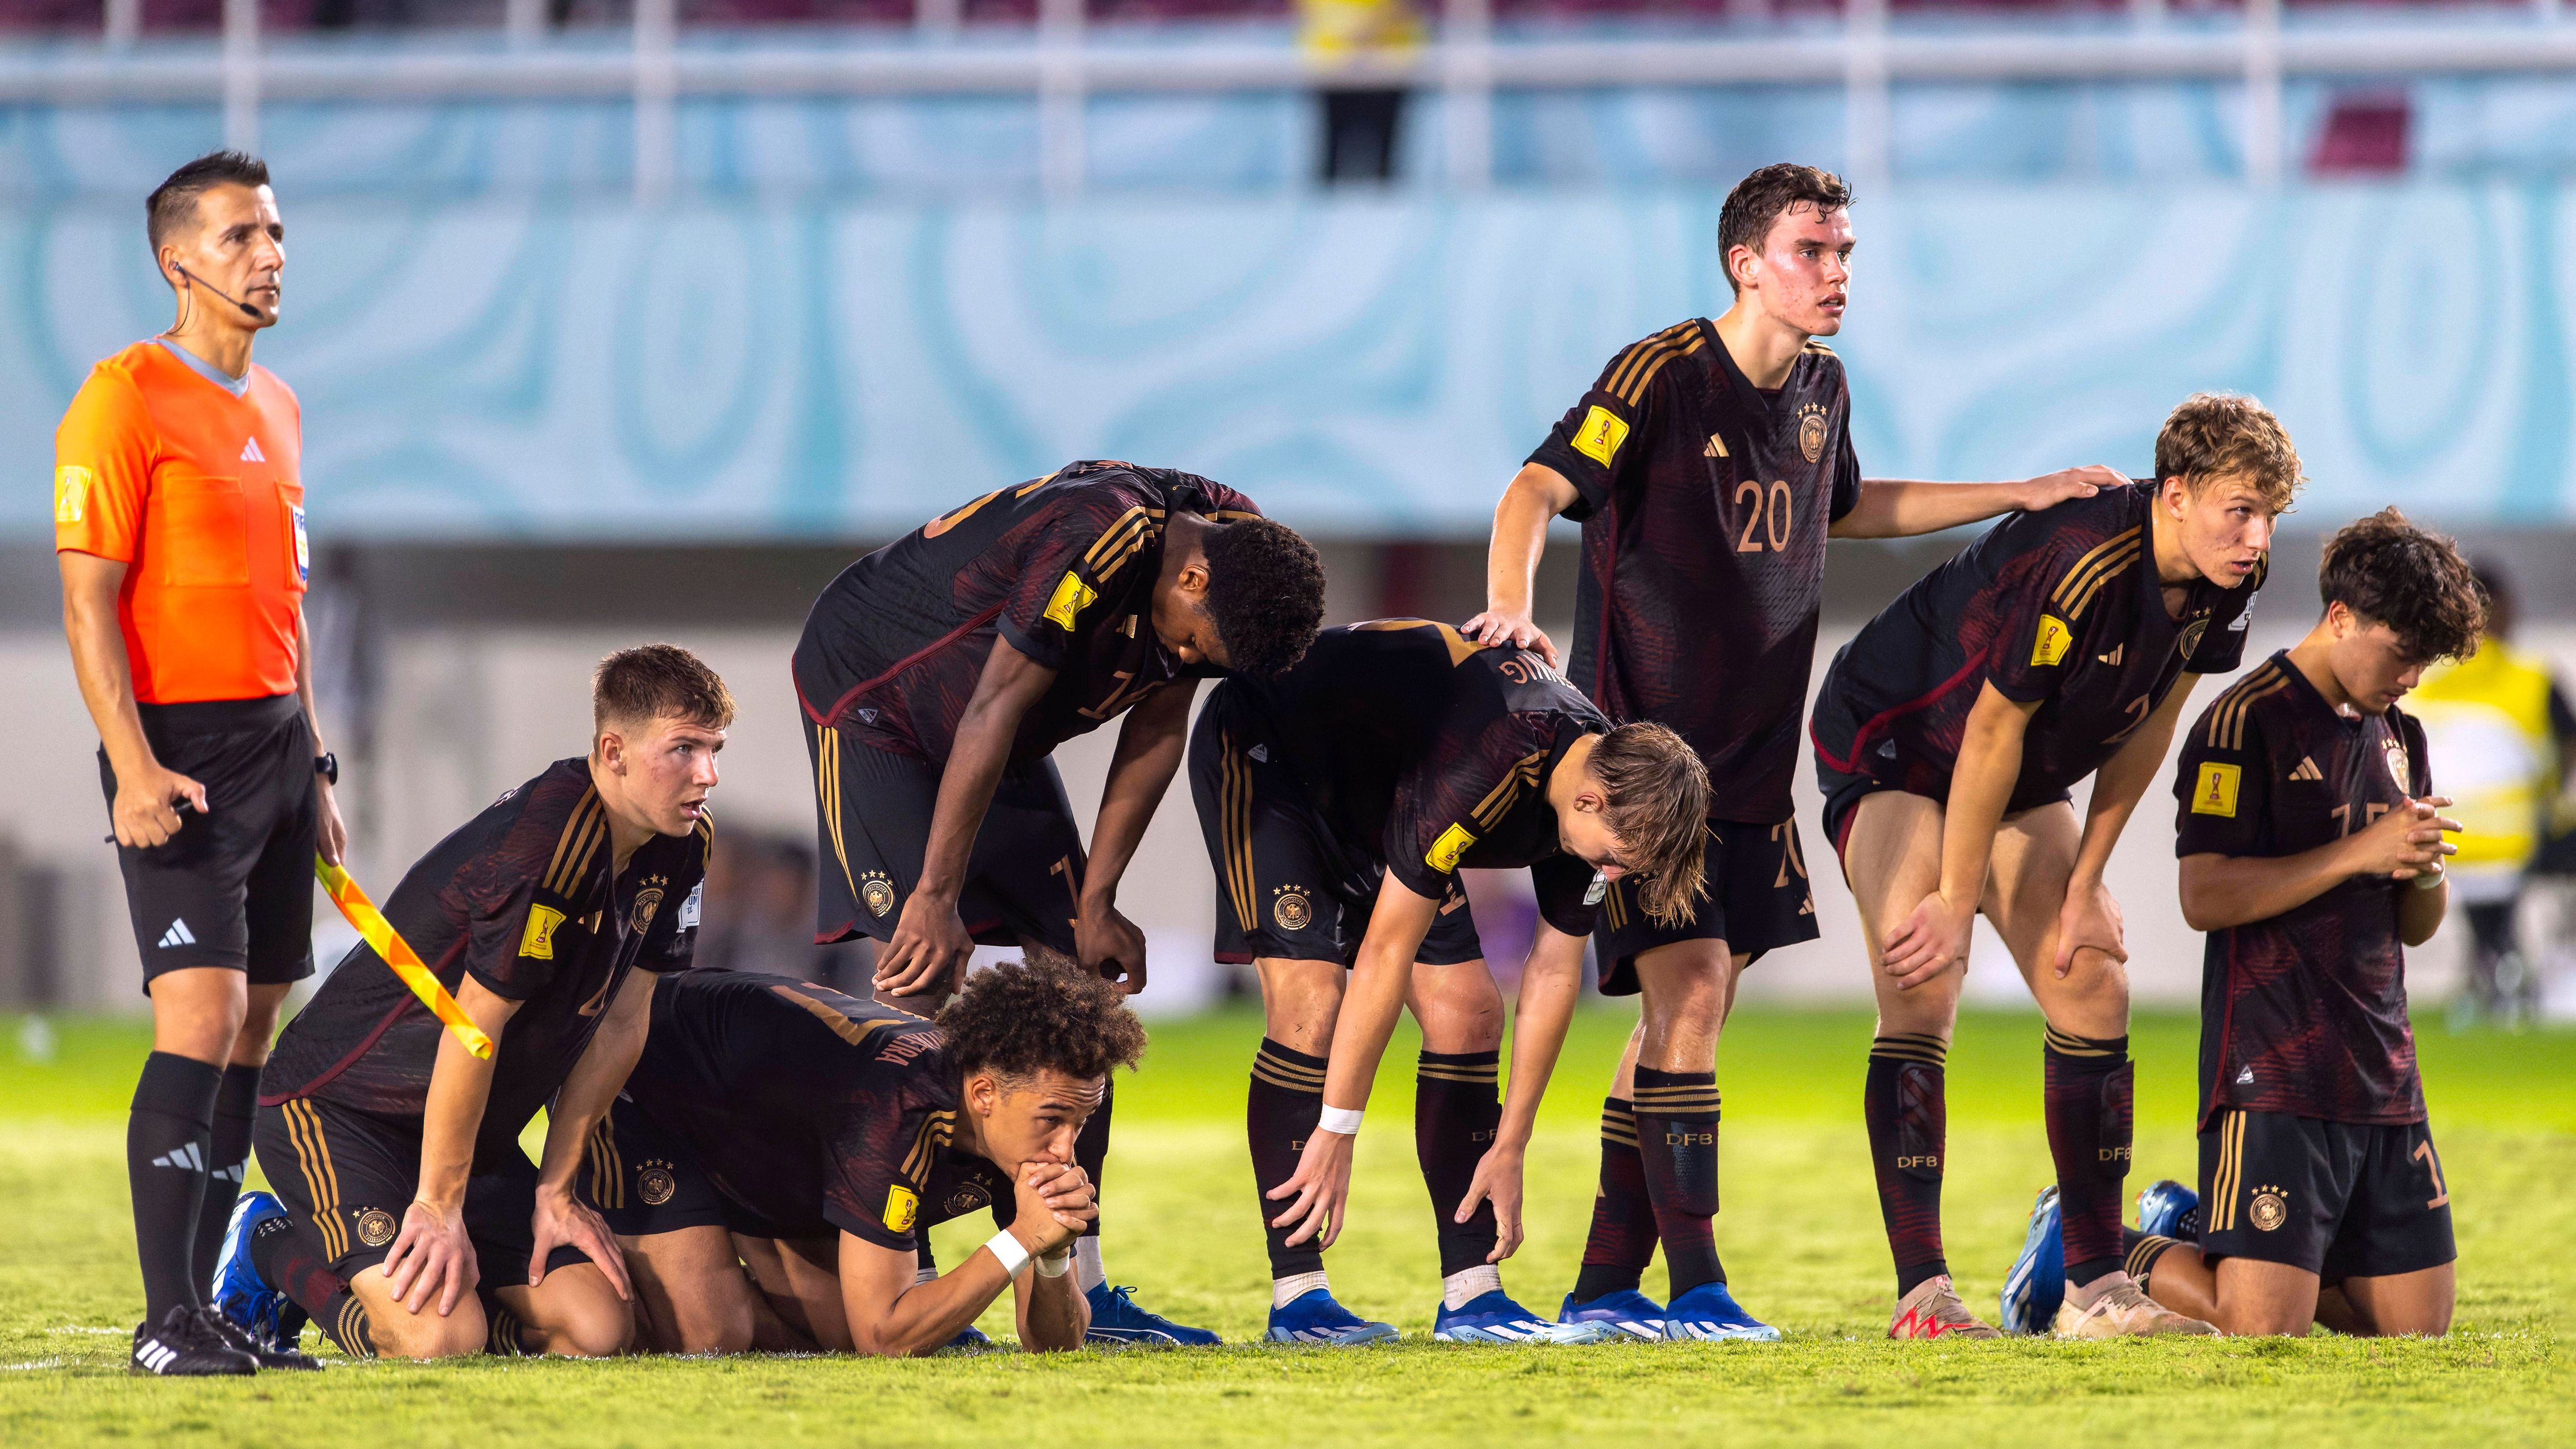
pixel 186 1157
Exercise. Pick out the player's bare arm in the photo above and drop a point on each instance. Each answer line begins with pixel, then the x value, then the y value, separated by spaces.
pixel 1934 936
pixel 145 813
pixel 561 1217
pixel 1551 982
pixel 2090 918
pixel 332 837
pixel 1904 507
pixel 432 1258
pixel 2220 891
pixel 1536 494
pixel 1150 744
pixel 930 941
pixel 891 1316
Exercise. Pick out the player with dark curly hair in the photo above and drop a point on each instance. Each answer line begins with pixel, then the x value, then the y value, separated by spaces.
pixel 815 1137
pixel 2312 854
pixel 939 673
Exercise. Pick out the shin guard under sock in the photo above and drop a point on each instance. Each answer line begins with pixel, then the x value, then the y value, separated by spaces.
pixel 1622 1240
pixel 1677 1115
pixel 1286 1102
pixel 236 1109
pixel 1906 1106
pixel 2091 1120
pixel 1457 1106
pixel 288 1261
pixel 168 1146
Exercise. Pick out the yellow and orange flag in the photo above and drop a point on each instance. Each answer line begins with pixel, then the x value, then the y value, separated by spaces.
pixel 361 912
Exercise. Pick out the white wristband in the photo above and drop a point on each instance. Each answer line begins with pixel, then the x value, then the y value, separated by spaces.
pixel 1344 1120
pixel 1055 1265
pixel 1013 1253
pixel 2426 880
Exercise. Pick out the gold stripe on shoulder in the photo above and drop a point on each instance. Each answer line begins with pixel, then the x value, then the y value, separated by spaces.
pixel 1636 392
pixel 571 833
pixel 1128 522
pixel 1636 353
pixel 2096 558
pixel 2111 568
pixel 594 828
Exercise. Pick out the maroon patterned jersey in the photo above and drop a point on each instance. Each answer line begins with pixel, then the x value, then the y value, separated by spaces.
pixel 1424 751
pixel 2304 1013
pixel 1704 503
pixel 521 898
pixel 813 1109
pixel 2062 608
pixel 1063 567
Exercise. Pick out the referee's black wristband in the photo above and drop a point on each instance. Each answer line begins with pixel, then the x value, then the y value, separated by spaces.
pixel 327 765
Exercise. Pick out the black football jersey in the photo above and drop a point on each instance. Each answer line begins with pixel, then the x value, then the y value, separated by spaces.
pixel 2062 608
pixel 813 1109
pixel 521 898
pixel 1425 751
pixel 2304 1013
pixel 1062 566
pixel 1705 503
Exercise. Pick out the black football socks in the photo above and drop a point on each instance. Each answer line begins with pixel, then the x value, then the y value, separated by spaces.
pixel 236 1109
pixel 2091 1110
pixel 1622 1240
pixel 289 1262
pixel 1677 1116
pixel 1287 1101
pixel 2139 1252
pixel 168 1148
pixel 1907 1108
pixel 1457 1108
pixel 1091 1148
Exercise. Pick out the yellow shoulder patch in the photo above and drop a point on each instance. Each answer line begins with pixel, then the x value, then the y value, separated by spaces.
pixel 2053 641
pixel 2215 792
pixel 1600 436
pixel 537 943
pixel 1071 597
pixel 1445 851
pixel 902 1206
pixel 71 493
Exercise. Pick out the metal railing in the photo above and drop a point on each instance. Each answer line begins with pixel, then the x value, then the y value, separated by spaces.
pixel 1064 63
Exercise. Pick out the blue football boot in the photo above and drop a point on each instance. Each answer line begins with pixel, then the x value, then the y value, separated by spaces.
pixel 267 1321
pixel 1115 1319
pixel 1710 1312
pixel 1314 1318
pixel 2037 1283
pixel 1629 1313
pixel 1494 1318
pixel 969 1339
pixel 2169 1210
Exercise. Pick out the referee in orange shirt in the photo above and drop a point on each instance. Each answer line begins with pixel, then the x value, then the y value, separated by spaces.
pixel 179 526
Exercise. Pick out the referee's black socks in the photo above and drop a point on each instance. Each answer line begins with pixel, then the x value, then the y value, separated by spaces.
pixel 169 1145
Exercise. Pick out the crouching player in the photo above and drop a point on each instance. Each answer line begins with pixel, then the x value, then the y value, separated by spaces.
pixel 2312 848
pixel 816 1137
pixel 413 1223
pixel 1948 734
pixel 1338 802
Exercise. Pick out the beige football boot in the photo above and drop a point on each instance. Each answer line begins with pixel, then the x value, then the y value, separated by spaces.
pixel 2116 1307
pixel 1933 1310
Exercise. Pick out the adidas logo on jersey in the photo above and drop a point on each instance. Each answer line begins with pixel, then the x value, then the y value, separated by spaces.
pixel 2116 651
pixel 186 1157
pixel 178 935
pixel 1716 447
pixel 2245 1077
pixel 2307 770
pixel 251 452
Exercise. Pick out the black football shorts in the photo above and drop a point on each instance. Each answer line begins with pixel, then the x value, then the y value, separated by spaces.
pixel 234 888
pixel 1286 889
pixel 645 1180
pixel 2340 1199
pixel 1758 899
pixel 872 818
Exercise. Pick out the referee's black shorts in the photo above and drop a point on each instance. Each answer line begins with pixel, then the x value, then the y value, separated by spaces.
pixel 234 888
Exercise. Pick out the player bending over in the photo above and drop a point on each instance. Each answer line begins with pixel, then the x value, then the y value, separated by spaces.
pixel 1339 801
pixel 938 675
pixel 413 1224
pixel 816 1138
pixel 1708 465
pixel 1948 734
pixel 2311 845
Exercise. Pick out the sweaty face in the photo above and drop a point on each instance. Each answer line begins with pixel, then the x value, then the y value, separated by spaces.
pixel 2370 662
pixel 238 245
pixel 670 768
pixel 2224 525
pixel 1035 1119
pixel 1803 272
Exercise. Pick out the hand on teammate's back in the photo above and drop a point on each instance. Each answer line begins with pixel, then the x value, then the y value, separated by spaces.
pixel 1321 1185
pixel 1499 1177
pixel 2051 489
pixel 1056 1203
pixel 930 944
pixel 1497 629
pixel 1109 943
pixel 146 811
pixel 2407 842
pixel 432 1254
pixel 562 1220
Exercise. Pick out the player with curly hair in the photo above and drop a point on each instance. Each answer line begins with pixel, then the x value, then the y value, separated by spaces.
pixel 939 673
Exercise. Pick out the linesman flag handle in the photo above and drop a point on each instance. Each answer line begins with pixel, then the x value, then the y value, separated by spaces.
pixel 397 953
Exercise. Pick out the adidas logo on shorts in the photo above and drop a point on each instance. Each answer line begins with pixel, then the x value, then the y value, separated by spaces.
pixel 178 935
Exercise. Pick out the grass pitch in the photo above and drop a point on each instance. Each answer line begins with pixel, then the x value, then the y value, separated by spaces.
pixel 1800 1235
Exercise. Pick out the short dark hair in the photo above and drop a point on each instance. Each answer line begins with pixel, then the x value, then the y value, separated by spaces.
pixel 2212 435
pixel 1767 195
pixel 658 681
pixel 1022 1017
pixel 2387 571
pixel 1657 803
pixel 173 204
pixel 1265 593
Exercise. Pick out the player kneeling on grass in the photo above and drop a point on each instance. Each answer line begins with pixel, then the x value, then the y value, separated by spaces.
pixel 413 1224
pixel 1948 733
pixel 1339 801
pixel 816 1137
pixel 2311 845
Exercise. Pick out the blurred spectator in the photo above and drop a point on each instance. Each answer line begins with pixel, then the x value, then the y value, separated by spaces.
pixel 1359 122
pixel 2503 740
pixel 759 913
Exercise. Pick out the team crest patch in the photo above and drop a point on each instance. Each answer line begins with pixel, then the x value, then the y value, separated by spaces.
pixel 1071 597
pixel 648 901
pixel 2052 641
pixel 877 892
pixel 1811 431
pixel 1600 436
pixel 2214 793
pixel 1292 910
pixel 902 1206
pixel 71 493
pixel 655 1184
pixel 537 943
pixel 2270 1208
pixel 964 1200
pixel 1444 852
pixel 2191 633
pixel 376 1227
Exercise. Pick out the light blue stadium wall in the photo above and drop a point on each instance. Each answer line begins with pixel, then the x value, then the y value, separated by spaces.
pixel 496 369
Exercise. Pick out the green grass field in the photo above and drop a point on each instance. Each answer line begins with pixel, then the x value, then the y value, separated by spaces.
pixel 1800 1235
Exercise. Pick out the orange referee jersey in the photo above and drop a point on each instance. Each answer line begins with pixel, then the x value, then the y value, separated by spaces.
pixel 197 492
